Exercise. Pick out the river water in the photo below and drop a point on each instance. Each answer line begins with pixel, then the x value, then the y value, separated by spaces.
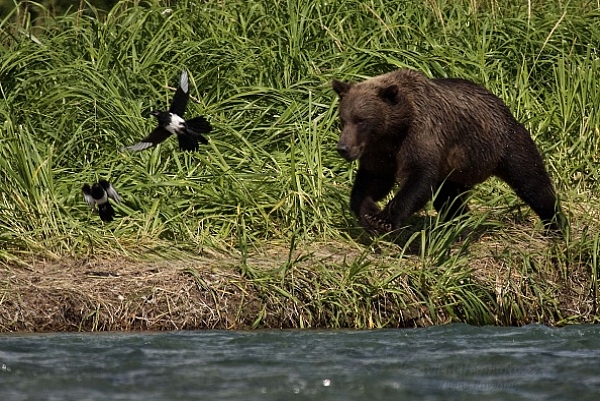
pixel 453 362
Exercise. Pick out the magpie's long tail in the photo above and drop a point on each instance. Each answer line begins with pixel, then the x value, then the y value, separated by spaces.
pixel 199 125
pixel 188 142
pixel 198 137
pixel 106 211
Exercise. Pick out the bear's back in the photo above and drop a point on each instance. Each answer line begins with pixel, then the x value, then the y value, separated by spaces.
pixel 469 125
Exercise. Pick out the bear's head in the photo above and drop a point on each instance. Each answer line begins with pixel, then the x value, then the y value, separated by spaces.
pixel 368 112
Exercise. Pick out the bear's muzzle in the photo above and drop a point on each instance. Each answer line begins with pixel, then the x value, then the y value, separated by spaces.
pixel 349 153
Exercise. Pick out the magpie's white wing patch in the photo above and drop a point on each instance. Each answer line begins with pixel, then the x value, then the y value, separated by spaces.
pixel 87 195
pixel 183 81
pixel 139 146
pixel 110 191
pixel 158 135
pixel 89 199
pixel 181 97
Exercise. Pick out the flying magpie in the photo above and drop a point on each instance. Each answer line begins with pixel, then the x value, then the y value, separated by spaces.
pixel 172 122
pixel 98 194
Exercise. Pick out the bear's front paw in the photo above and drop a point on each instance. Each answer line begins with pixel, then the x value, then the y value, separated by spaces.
pixel 377 224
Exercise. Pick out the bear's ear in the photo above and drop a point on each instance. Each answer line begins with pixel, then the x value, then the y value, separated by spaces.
pixel 341 88
pixel 389 94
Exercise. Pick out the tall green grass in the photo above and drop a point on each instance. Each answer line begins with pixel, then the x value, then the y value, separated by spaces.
pixel 78 87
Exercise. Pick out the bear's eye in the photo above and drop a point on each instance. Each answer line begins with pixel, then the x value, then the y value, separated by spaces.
pixel 360 121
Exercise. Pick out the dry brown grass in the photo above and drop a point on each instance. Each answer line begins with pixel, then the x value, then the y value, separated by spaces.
pixel 319 286
pixel 116 295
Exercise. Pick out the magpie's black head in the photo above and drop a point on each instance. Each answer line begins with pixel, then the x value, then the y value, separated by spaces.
pixel 104 184
pixel 163 117
pixel 97 191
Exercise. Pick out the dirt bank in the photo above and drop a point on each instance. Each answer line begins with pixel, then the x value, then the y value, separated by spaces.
pixel 334 287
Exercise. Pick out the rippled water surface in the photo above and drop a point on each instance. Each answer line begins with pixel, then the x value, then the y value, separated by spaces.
pixel 454 362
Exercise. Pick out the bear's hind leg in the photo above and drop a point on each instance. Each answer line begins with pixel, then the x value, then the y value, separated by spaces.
pixel 527 176
pixel 450 200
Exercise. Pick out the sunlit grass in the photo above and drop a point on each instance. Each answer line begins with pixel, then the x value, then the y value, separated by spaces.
pixel 78 87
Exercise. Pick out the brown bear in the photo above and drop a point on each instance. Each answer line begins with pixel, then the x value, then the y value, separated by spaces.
pixel 437 138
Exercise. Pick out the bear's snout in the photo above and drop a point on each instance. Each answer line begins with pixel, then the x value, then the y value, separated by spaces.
pixel 344 151
pixel 350 153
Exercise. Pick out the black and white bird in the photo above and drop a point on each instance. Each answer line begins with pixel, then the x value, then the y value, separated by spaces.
pixel 97 195
pixel 172 123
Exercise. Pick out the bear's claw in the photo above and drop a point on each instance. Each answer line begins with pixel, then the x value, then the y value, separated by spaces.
pixel 377 224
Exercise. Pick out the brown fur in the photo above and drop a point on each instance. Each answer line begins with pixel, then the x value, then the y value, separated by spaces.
pixel 434 136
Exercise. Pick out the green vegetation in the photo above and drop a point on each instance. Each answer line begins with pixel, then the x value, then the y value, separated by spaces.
pixel 264 206
pixel 38 10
